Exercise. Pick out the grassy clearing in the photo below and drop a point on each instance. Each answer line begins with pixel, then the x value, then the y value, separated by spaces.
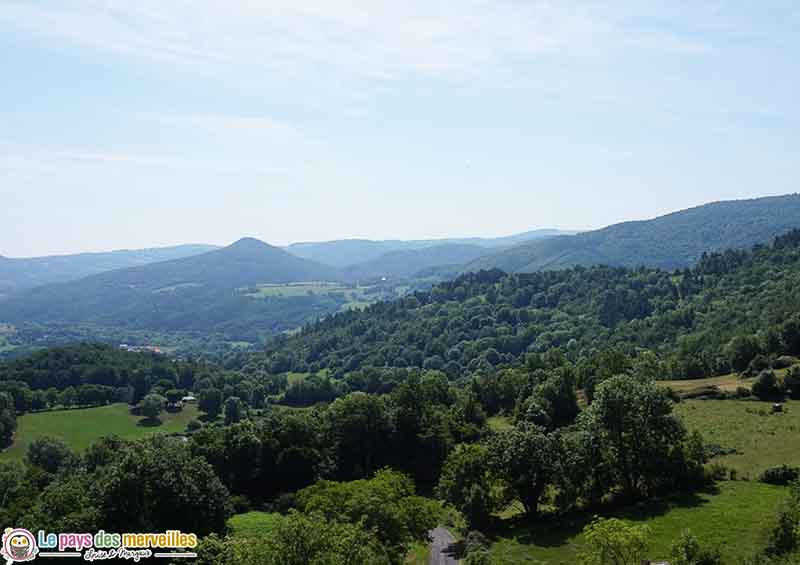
pixel 499 423
pixel 762 438
pixel 252 524
pixel 81 427
pixel 736 519
pixel 298 289
pixel 726 383
pixel 420 554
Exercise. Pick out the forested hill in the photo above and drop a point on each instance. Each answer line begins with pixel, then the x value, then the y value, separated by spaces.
pixel 202 292
pixel 672 241
pixel 19 274
pixel 485 320
pixel 410 262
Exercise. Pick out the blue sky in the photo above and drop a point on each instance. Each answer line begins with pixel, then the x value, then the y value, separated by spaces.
pixel 134 124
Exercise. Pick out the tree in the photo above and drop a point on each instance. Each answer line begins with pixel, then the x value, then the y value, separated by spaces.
pixel 50 454
pixel 466 483
pixel 385 504
pixel 210 402
pixel 8 419
pixel 641 441
pixel 296 539
pixel 790 336
pixel 791 382
pixel 152 405
pixel 766 386
pixel 687 550
pixel 741 350
pixel 157 485
pixel 525 458
pixel 614 542
pixel 358 426
pixel 233 410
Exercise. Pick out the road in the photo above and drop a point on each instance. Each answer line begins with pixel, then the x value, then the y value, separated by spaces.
pixel 443 550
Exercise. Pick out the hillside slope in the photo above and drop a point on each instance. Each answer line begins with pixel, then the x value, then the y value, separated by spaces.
pixel 350 252
pixel 487 320
pixel 197 293
pixel 672 241
pixel 23 273
pixel 405 263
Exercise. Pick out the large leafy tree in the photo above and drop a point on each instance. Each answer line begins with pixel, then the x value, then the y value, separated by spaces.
pixel 467 483
pixel 386 504
pixel 8 419
pixel 157 485
pixel 526 459
pixel 640 439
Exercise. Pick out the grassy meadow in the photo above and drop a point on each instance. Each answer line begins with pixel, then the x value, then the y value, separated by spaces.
pixel 736 518
pixel 79 428
pixel 763 439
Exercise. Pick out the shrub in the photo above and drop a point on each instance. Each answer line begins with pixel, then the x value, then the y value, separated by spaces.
pixel 783 362
pixel 780 475
pixel 766 387
pixel 688 551
pixel 614 542
pixel 791 383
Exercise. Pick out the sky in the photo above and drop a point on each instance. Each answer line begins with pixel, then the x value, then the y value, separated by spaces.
pixel 157 122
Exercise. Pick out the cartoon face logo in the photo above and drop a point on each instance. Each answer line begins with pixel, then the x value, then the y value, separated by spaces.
pixel 18 545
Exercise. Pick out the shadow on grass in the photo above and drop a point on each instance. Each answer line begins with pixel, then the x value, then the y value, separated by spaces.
pixel 149 422
pixel 557 530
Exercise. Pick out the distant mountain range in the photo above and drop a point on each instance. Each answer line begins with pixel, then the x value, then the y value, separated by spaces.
pixel 21 274
pixel 404 263
pixel 349 252
pixel 17 275
pixel 192 293
pixel 225 291
pixel 672 241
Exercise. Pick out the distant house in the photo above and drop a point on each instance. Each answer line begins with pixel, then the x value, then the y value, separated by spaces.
pixel 190 398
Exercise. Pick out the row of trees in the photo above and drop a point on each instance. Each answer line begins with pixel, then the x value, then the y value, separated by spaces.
pixel 627 441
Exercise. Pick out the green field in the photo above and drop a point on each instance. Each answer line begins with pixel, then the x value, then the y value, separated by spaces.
pixel 300 289
pixel 355 297
pixel 81 427
pixel 736 519
pixel 251 524
pixel 762 438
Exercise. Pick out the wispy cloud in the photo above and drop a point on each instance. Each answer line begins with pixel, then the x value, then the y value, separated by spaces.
pixel 370 38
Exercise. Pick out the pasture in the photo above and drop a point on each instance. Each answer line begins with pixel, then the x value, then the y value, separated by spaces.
pixel 736 518
pixel 762 439
pixel 81 427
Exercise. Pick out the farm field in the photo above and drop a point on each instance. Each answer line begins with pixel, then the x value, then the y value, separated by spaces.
pixel 736 519
pixel 762 438
pixel 79 428
pixel 355 297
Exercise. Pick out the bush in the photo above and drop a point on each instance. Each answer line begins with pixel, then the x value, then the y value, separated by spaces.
pixel 766 387
pixel 783 362
pixel 780 475
pixel 791 383
pixel 688 551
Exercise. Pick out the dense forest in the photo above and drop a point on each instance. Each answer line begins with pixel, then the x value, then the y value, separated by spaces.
pixel 484 321
pixel 673 241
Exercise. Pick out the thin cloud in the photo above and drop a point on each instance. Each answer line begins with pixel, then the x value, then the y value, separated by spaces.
pixel 368 38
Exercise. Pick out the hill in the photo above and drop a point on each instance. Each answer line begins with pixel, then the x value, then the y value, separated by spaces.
pixel 672 241
pixel 410 262
pixel 20 274
pixel 349 252
pixel 484 321
pixel 203 293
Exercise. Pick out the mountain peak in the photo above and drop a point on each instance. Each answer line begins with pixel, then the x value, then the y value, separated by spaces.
pixel 249 244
